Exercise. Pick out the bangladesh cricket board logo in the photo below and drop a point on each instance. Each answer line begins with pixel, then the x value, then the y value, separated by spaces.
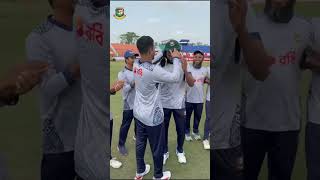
pixel 119 13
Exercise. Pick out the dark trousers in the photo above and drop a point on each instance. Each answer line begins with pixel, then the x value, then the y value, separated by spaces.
pixel 207 122
pixel 155 135
pixel 281 148
pixel 58 166
pixel 197 109
pixel 127 117
pixel 180 120
pixel 313 151
pixel 3 169
pixel 226 164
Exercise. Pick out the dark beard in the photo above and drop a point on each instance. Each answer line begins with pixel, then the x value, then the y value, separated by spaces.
pixel 280 15
pixel 197 66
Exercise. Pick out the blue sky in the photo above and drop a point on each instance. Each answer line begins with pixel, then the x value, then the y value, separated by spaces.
pixel 163 20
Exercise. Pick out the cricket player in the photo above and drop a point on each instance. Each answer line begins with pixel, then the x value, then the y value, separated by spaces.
pixel 195 95
pixel 234 35
pixel 271 124
pixel 53 42
pixel 91 155
pixel 148 110
pixel 128 95
pixel 172 97
pixel 312 136
pixel 206 143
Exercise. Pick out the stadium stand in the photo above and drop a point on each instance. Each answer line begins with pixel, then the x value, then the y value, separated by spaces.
pixel 117 50
pixel 187 51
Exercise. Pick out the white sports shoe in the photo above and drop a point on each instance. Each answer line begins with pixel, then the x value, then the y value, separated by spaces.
pixel 166 175
pixel 140 176
pixel 196 136
pixel 165 157
pixel 188 137
pixel 181 157
pixel 206 144
pixel 115 163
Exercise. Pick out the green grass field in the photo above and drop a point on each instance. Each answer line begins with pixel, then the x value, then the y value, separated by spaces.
pixel 198 159
pixel 20 128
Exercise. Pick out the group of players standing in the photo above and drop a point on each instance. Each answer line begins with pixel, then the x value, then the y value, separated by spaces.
pixel 155 87
pixel 257 69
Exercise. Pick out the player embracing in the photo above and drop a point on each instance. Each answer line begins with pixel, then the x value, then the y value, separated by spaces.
pixel 173 100
pixel 148 110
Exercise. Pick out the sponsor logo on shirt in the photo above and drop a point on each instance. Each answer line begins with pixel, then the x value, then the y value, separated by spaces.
pixel 91 32
pixel 138 71
pixel 286 59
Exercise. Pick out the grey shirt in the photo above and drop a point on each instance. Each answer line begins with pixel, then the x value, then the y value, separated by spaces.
pixel 274 104
pixel 173 94
pixel 91 157
pixel 60 99
pixel 128 90
pixel 195 94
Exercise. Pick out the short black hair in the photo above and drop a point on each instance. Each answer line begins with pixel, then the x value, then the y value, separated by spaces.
pixel 51 3
pixel 125 59
pixel 144 43
pixel 198 52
